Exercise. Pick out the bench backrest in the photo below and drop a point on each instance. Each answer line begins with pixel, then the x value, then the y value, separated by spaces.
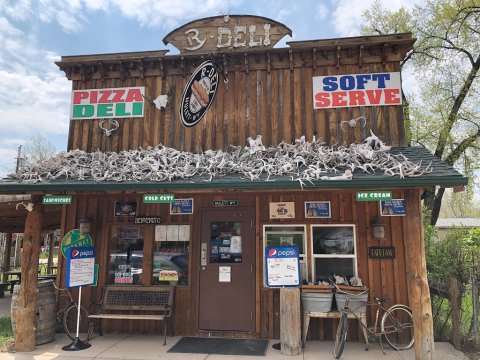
pixel 124 297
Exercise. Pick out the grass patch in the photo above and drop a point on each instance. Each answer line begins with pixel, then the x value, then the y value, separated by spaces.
pixel 6 334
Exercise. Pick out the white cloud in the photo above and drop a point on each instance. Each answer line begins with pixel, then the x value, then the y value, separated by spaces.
pixel 321 11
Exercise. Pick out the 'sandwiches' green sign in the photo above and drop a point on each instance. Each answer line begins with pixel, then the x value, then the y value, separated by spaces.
pixel 374 195
pixel 57 199
pixel 158 198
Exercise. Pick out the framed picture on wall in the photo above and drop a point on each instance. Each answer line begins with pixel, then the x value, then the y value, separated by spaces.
pixel 317 209
pixel 125 208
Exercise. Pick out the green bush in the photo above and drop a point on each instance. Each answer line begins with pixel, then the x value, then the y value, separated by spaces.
pixel 6 334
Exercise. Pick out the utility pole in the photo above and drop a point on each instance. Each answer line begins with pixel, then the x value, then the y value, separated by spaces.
pixel 19 159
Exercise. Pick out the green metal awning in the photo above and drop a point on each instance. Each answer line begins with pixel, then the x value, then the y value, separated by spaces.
pixel 442 175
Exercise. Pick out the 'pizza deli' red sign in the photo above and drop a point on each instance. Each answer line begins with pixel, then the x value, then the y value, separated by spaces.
pixel 357 90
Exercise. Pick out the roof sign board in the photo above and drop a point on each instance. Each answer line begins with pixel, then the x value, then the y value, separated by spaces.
pixel 127 102
pixel 373 195
pixel 357 90
pixel 227 33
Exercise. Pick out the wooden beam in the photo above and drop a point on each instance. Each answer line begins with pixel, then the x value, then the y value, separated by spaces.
pixel 416 269
pixel 27 302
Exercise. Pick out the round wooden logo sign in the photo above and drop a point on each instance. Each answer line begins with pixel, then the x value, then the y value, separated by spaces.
pixel 199 94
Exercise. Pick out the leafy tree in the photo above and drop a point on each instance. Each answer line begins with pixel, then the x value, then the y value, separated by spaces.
pixel 444 116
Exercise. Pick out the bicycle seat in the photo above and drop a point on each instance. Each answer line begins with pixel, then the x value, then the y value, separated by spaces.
pixel 381 300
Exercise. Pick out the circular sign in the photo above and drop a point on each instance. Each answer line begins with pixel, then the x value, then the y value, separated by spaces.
pixel 74 239
pixel 199 94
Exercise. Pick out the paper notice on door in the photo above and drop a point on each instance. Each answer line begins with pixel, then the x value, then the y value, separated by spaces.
pixel 236 244
pixel 224 273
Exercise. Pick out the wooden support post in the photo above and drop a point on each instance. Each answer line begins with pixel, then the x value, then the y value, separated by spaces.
pixel 416 269
pixel 51 243
pixel 455 307
pixel 27 298
pixel 6 256
pixel 290 322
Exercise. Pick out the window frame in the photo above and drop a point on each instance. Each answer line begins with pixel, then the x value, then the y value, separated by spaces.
pixel 353 256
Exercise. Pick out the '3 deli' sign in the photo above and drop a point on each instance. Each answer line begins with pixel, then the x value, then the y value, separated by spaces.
pixel 227 33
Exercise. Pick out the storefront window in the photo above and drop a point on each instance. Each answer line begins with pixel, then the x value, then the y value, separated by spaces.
pixel 334 251
pixel 287 235
pixel 170 263
pixel 126 255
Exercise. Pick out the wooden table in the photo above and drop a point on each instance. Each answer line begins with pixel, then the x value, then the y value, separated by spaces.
pixel 334 315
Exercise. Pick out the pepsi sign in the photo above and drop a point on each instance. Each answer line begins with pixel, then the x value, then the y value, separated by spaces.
pixel 282 266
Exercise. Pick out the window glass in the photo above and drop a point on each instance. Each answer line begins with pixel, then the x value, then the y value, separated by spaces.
pixel 334 252
pixel 126 255
pixel 287 235
pixel 225 242
pixel 170 263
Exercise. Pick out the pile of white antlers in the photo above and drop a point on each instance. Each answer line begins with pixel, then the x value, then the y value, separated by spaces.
pixel 301 161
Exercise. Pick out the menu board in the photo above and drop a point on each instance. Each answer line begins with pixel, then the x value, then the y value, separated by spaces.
pixel 80 266
pixel 282 266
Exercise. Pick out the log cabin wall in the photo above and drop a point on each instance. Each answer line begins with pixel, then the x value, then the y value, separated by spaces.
pixel 269 93
pixel 384 277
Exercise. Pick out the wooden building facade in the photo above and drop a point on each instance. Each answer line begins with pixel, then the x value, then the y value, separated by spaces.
pixel 259 90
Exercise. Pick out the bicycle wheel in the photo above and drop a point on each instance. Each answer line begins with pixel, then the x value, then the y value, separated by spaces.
pixel 70 323
pixel 397 327
pixel 341 336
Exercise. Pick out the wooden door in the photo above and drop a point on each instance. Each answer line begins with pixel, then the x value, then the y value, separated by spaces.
pixel 227 271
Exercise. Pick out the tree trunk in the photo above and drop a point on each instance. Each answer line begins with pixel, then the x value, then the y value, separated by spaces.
pixel 290 322
pixel 27 298
pixel 455 304
pixel 418 290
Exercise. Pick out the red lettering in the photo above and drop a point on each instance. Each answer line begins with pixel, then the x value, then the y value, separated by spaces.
pixel 392 96
pixel 322 100
pixel 104 96
pixel 357 98
pixel 78 96
pixel 117 97
pixel 93 97
pixel 338 98
pixel 134 95
pixel 374 96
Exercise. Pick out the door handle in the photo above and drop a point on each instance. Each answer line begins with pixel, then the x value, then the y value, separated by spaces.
pixel 203 255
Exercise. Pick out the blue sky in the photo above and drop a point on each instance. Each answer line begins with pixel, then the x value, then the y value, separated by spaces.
pixel 35 94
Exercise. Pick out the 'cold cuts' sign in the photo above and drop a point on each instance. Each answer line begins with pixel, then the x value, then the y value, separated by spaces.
pixel 107 103
pixel 357 90
pixel 80 266
pixel 283 266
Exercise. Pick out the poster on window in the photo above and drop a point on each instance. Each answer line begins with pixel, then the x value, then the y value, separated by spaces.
pixel 317 209
pixel 282 266
pixel 394 207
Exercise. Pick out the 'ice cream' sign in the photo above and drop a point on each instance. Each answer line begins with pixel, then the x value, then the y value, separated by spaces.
pixel 357 90
pixel 107 103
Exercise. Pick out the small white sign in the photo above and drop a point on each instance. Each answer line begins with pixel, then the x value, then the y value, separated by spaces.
pixel 224 274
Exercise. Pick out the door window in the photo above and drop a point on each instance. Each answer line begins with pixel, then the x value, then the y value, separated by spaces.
pixel 225 242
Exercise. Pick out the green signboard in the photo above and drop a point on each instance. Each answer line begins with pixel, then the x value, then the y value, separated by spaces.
pixel 57 199
pixel 158 198
pixel 374 195
pixel 75 239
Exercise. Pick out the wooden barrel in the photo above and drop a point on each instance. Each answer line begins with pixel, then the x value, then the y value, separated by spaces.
pixel 45 318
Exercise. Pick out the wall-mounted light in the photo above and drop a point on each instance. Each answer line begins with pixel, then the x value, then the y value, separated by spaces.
pixel 378 229
pixel 85 225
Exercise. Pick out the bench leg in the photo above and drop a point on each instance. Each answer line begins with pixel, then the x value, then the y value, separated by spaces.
pixel 165 331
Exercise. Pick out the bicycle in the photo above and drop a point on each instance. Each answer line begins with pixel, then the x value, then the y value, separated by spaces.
pixel 67 317
pixel 396 324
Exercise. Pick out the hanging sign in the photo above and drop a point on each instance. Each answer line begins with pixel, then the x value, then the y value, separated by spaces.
pixel 374 195
pixel 394 207
pixel 80 267
pixel 377 252
pixel 198 94
pixel 110 103
pixel 357 90
pixel 283 266
pixel 317 209
pixel 56 199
